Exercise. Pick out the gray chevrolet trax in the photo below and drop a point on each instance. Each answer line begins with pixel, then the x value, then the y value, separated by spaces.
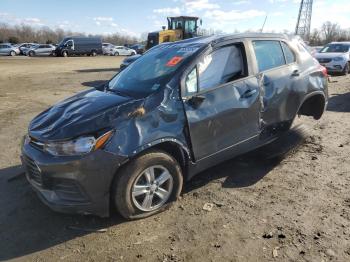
pixel 179 109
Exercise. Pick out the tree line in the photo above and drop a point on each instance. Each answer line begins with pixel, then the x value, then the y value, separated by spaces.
pixel 329 32
pixel 45 35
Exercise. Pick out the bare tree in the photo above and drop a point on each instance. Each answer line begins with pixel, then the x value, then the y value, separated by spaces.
pixel 330 31
pixel 24 33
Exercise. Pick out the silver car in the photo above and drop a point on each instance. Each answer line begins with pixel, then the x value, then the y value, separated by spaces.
pixel 335 57
pixel 8 49
pixel 110 49
pixel 41 50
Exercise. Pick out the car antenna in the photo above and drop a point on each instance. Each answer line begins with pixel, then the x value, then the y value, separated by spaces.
pixel 262 28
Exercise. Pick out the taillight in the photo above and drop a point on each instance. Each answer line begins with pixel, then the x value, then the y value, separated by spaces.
pixel 324 71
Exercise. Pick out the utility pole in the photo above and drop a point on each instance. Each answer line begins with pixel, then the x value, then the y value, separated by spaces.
pixel 304 19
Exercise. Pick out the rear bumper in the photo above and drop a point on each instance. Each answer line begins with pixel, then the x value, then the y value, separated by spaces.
pixel 72 184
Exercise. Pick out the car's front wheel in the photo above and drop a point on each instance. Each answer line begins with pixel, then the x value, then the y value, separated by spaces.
pixel 147 185
pixel 346 69
pixel 116 54
pixel 31 53
pixel 12 53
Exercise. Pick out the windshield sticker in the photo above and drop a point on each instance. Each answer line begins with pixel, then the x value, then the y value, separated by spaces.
pixel 174 61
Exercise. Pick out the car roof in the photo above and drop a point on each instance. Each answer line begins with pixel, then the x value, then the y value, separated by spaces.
pixel 341 43
pixel 219 38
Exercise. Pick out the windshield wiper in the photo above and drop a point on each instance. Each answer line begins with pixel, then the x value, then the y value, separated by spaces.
pixel 117 91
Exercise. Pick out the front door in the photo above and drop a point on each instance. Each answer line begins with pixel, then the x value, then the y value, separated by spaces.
pixel 222 103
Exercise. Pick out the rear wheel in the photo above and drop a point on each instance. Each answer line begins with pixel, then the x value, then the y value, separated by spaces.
pixel 64 53
pixel 93 53
pixel 31 53
pixel 147 185
pixel 12 53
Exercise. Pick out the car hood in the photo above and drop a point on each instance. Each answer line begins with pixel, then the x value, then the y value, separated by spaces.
pixel 85 113
pixel 331 55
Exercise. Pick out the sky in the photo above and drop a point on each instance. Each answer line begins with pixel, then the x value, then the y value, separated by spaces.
pixel 135 17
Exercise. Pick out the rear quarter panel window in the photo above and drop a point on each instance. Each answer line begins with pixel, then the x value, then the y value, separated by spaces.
pixel 290 56
pixel 268 54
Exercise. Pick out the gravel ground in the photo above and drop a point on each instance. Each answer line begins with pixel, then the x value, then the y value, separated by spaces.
pixel 286 202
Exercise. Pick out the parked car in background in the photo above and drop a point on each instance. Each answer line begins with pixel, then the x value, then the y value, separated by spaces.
pixel 335 57
pixel 318 48
pixel 79 46
pixel 107 48
pixel 110 49
pixel 8 49
pixel 139 48
pixel 127 61
pixel 123 50
pixel 40 50
pixel 177 110
pixel 24 46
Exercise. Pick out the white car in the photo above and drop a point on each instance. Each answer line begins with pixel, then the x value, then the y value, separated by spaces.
pixel 8 49
pixel 335 57
pixel 110 49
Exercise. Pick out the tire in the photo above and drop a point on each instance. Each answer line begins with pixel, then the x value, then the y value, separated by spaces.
pixel 133 174
pixel 116 54
pixel 93 53
pixel 346 70
pixel 31 53
pixel 132 53
pixel 65 54
pixel 12 53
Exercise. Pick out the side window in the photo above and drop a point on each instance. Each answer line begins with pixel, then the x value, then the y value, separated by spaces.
pixel 221 66
pixel 268 54
pixel 41 46
pixel 288 53
pixel 191 82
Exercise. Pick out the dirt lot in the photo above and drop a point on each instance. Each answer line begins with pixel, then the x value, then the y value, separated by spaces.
pixel 287 202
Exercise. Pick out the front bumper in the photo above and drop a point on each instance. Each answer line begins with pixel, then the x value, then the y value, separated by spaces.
pixel 334 67
pixel 72 184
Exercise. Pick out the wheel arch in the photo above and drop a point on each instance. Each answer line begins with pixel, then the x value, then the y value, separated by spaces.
pixel 314 104
pixel 171 146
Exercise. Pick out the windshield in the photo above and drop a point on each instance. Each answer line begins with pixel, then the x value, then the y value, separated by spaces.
pixel 335 48
pixel 152 71
pixel 63 41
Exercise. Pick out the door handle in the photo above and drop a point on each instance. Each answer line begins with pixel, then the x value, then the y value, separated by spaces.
pixel 296 73
pixel 248 93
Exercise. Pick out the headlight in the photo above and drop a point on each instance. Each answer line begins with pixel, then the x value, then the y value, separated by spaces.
pixel 339 58
pixel 79 146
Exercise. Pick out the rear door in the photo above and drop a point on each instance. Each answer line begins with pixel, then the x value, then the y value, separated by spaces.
pixel 221 101
pixel 279 74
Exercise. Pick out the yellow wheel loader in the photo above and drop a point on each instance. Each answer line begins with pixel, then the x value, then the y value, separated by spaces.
pixel 179 28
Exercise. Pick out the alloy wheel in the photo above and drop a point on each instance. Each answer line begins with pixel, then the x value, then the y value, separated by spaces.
pixel 152 188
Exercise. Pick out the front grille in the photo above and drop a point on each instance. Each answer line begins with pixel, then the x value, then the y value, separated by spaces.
pixel 324 60
pixel 32 169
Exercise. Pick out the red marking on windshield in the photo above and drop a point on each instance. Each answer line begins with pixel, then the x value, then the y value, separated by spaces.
pixel 174 61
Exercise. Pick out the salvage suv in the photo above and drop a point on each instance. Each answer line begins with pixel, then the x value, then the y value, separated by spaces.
pixel 335 57
pixel 179 109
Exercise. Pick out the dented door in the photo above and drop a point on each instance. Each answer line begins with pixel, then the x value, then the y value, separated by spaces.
pixel 223 117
